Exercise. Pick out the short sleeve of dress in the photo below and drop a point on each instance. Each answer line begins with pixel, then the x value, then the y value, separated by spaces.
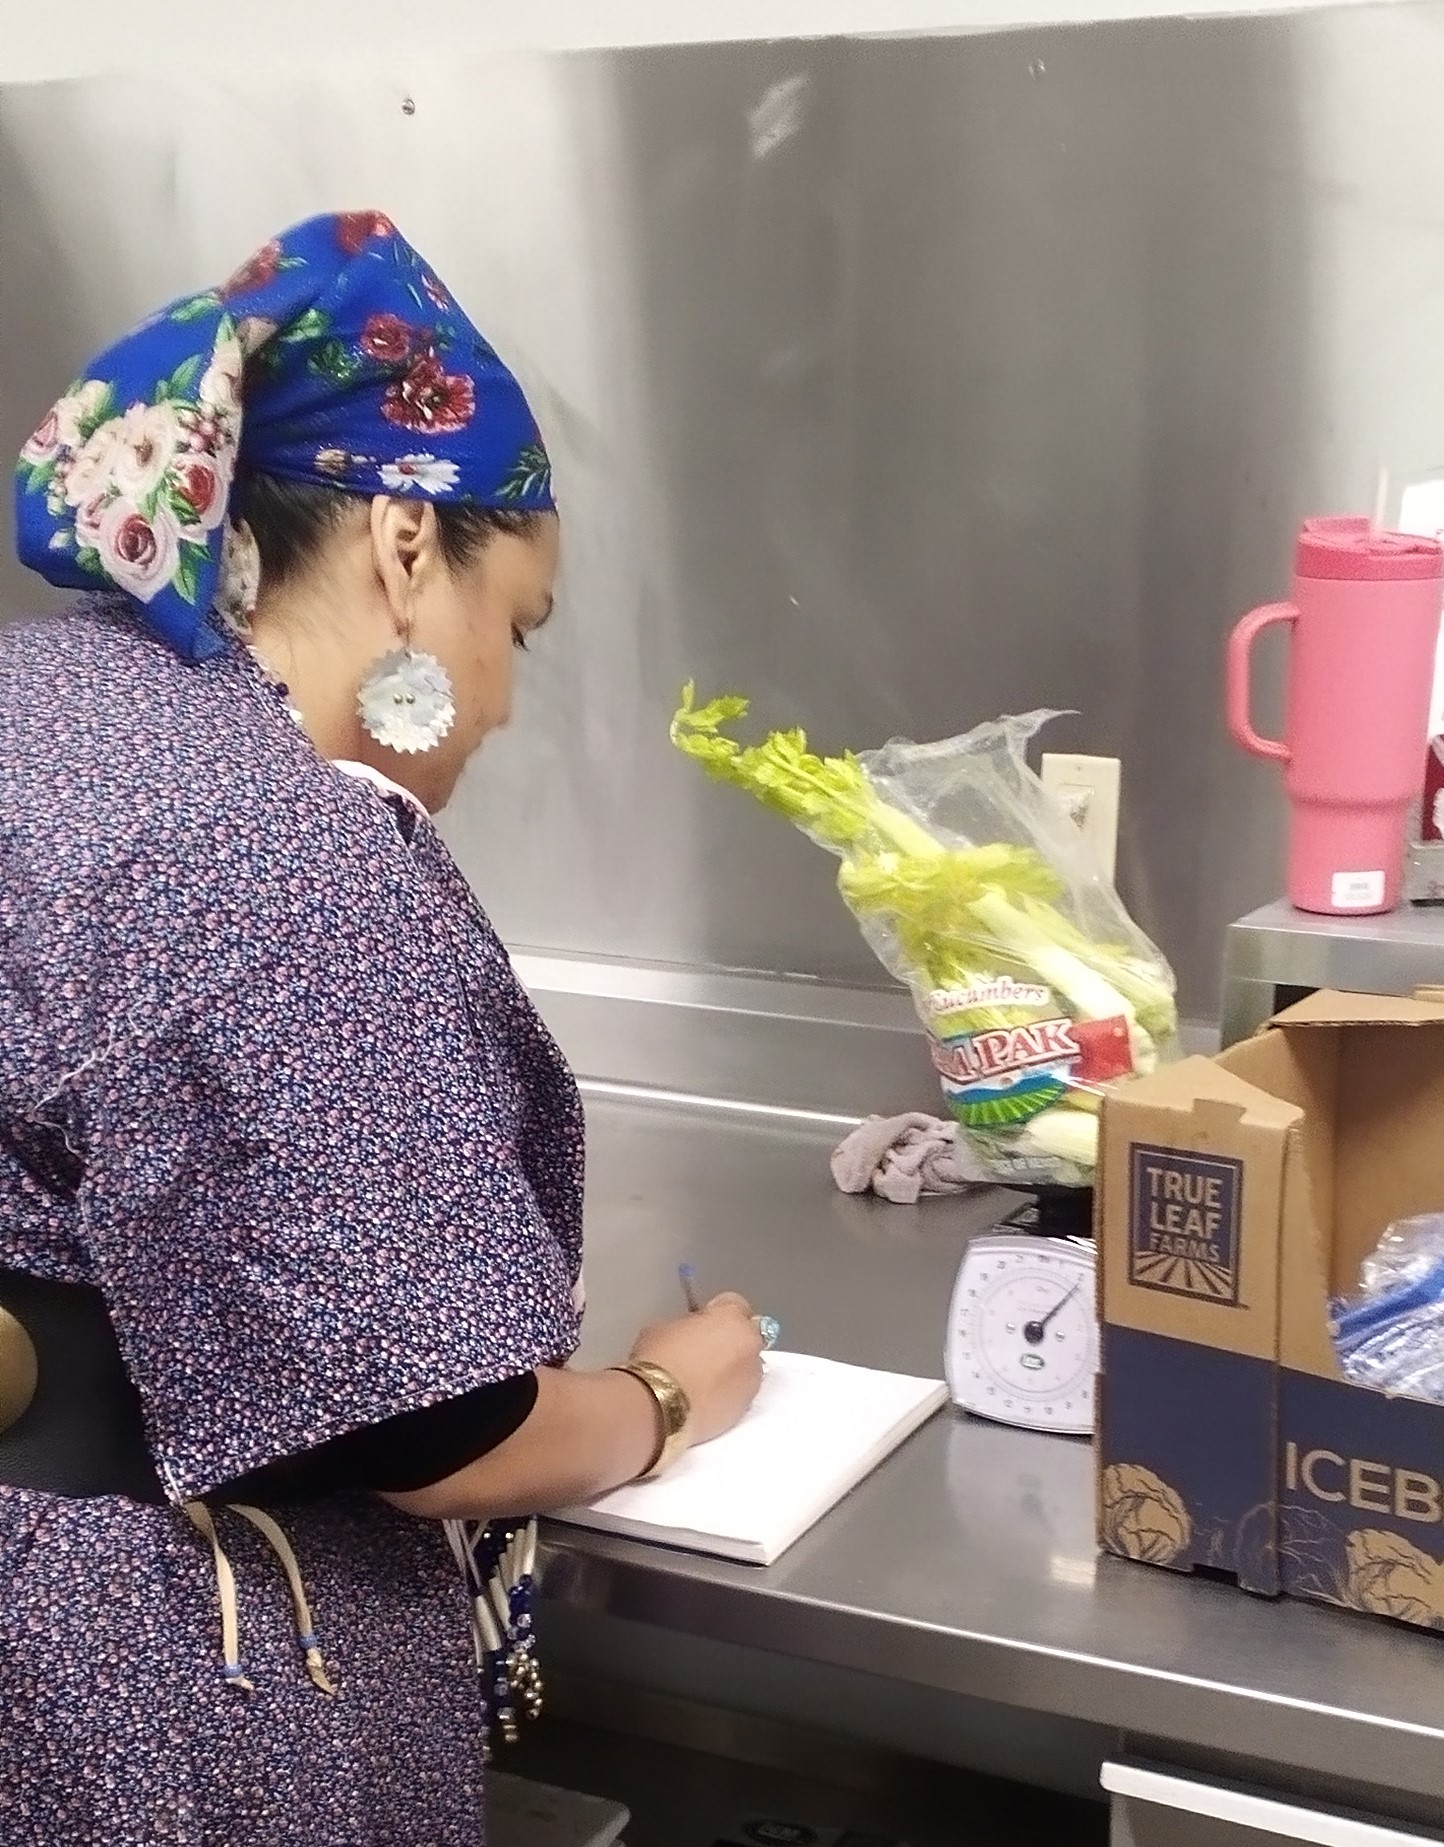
pixel 340 1184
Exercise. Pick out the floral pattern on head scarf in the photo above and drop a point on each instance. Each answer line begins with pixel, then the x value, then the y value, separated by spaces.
pixel 333 355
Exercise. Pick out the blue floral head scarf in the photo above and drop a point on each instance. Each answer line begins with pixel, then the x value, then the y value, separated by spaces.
pixel 333 356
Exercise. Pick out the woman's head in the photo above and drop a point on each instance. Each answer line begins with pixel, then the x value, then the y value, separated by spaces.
pixel 345 581
pixel 333 400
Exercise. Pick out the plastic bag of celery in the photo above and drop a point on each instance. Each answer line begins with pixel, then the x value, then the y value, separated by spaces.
pixel 1036 988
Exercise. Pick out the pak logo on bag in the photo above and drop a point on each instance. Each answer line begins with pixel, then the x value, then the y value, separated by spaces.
pixel 999 1076
pixel 1184 1217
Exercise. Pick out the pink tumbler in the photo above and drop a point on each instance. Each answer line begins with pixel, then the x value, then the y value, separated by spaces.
pixel 1365 620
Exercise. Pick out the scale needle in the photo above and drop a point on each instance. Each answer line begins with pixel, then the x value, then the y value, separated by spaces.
pixel 1035 1330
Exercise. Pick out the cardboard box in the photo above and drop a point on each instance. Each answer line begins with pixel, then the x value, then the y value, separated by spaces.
pixel 1236 1195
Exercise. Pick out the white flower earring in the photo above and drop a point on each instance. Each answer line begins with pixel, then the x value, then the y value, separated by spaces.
pixel 406 701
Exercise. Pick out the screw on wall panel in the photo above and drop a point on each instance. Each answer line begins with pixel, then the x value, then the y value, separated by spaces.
pixel 408 106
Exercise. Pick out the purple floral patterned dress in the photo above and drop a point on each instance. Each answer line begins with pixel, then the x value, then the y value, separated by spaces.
pixel 332 1172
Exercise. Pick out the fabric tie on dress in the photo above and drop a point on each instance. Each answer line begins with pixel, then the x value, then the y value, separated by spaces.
pixel 234 1669
pixel 333 356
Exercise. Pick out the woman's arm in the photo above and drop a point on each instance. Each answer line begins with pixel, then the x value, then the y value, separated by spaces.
pixel 589 1432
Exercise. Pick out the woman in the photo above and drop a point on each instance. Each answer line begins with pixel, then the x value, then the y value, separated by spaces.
pixel 290 1172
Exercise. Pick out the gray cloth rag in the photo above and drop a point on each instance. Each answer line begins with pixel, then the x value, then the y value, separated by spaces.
pixel 903 1157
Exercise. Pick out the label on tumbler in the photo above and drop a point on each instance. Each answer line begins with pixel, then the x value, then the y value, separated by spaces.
pixel 1358 891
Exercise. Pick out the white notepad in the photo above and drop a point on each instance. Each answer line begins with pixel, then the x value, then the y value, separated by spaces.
pixel 816 1429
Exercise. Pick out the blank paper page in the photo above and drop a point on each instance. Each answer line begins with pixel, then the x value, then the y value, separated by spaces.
pixel 816 1429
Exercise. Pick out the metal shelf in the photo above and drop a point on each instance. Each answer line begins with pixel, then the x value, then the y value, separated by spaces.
pixel 1278 954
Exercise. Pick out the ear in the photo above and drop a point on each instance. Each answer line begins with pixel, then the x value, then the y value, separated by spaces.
pixel 406 551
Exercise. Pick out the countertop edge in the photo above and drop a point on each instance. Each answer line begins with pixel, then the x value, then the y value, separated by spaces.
pixel 622 1580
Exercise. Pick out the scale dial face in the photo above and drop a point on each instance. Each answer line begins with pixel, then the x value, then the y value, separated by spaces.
pixel 1023 1333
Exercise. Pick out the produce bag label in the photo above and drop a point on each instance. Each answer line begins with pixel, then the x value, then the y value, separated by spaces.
pixel 994 1074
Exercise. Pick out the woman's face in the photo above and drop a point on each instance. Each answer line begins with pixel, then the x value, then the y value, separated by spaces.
pixel 475 619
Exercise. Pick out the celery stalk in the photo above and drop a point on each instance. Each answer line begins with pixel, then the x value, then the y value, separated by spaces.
pixel 830 797
pixel 947 917
pixel 1062 1135
pixel 1152 999
pixel 1091 996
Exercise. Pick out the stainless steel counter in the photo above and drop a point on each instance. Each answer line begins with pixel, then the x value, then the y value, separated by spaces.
pixel 966 1565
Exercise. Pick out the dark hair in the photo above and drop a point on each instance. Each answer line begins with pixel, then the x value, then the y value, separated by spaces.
pixel 290 520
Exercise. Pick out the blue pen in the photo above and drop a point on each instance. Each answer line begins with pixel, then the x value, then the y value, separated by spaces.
pixel 767 1325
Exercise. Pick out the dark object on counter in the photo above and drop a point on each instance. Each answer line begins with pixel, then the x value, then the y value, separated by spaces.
pixel 1054 1212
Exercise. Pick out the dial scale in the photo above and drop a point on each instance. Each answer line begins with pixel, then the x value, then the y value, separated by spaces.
pixel 1022 1340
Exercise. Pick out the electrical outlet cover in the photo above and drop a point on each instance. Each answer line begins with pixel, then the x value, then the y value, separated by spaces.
pixel 1088 789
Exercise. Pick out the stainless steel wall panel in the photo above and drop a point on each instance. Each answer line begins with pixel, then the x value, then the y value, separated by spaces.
pixel 895 383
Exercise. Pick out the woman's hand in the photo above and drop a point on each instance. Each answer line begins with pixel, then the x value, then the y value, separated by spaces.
pixel 716 1358
pixel 593 1431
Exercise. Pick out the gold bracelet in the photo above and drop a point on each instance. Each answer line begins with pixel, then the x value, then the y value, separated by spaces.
pixel 674 1414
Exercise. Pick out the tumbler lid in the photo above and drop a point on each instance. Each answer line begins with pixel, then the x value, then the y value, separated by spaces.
pixel 1354 549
